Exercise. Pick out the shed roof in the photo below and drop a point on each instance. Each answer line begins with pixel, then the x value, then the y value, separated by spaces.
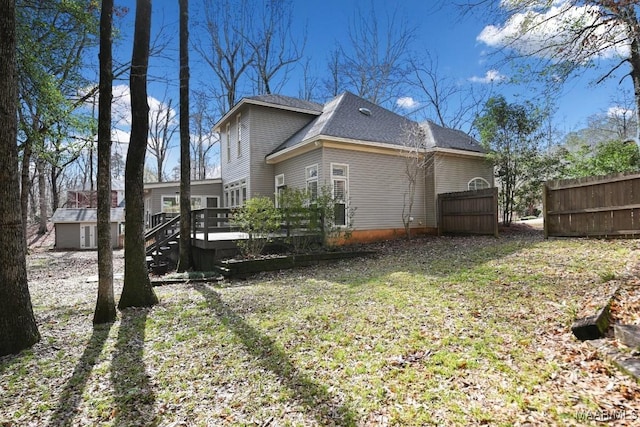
pixel 81 215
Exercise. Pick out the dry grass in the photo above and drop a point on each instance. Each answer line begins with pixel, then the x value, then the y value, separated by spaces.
pixel 442 331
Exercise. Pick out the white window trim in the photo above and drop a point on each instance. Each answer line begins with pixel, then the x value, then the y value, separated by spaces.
pixel 230 199
pixel 239 134
pixel 278 183
pixel 344 178
pixel 309 179
pixel 172 196
pixel 477 178
pixel 228 142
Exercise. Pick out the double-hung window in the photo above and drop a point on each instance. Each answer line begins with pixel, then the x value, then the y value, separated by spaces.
pixel 280 187
pixel 311 176
pixel 340 191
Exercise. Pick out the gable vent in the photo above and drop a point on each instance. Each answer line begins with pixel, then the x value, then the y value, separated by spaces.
pixel 365 111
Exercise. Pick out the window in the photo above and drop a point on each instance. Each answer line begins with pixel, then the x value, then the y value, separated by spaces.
pixel 235 194
pixel 196 202
pixel 171 203
pixel 212 201
pixel 478 184
pixel 311 175
pixel 340 190
pixel 280 187
pixel 228 142
pixel 239 127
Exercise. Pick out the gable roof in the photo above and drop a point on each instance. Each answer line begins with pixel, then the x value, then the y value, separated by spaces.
pixel 78 215
pixel 351 117
pixel 442 137
pixel 274 101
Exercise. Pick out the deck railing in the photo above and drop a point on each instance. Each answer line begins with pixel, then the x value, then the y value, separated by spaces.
pixel 210 220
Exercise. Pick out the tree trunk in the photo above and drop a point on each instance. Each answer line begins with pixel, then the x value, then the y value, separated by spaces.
pixel 137 290
pixel 105 305
pixel 18 329
pixel 634 37
pixel 184 262
pixel 42 196
pixel 25 185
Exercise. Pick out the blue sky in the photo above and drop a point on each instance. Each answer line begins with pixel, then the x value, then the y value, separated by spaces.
pixel 441 32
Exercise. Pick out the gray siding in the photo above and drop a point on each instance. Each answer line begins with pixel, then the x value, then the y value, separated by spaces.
pixel 236 167
pixel 68 235
pixel 377 188
pixel 172 189
pixel 453 173
pixel 294 169
pixel 271 127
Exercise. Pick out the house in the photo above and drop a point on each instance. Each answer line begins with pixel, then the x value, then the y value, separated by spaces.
pixel 355 148
pixel 88 198
pixel 164 197
pixel 76 228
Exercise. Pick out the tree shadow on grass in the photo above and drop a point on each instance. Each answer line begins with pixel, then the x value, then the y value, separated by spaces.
pixel 327 409
pixel 72 394
pixel 133 392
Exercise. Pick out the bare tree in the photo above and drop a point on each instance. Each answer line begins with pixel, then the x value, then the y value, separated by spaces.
pixel 376 62
pixel 225 49
pixel 161 130
pixel 105 311
pixel 333 84
pixel 418 160
pixel 559 40
pixel 273 45
pixel 41 166
pixel 137 290
pixel 185 259
pixel 309 83
pixel 204 139
pixel 18 328
pixel 443 99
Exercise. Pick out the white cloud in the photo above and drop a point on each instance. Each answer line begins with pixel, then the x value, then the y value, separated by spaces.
pixel 121 107
pixel 491 76
pixel 617 111
pixel 407 102
pixel 543 31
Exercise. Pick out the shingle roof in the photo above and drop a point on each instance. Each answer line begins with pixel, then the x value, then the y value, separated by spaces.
pixel 350 117
pixel 286 101
pixel 443 137
pixel 84 215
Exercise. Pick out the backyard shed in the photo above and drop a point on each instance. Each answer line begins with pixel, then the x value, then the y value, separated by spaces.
pixel 77 228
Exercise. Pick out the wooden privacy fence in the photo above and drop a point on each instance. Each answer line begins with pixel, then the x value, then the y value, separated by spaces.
pixel 604 206
pixel 469 212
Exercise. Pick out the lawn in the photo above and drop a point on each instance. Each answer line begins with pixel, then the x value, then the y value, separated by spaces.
pixel 443 331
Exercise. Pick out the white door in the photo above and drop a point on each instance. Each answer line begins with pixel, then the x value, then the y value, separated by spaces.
pixel 88 236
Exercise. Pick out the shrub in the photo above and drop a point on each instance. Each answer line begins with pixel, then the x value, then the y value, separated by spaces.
pixel 259 218
pixel 301 219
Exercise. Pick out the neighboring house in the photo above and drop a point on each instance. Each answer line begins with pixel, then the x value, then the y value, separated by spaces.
pixel 165 196
pixel 77 228
pixel 354 147
pixel 87 198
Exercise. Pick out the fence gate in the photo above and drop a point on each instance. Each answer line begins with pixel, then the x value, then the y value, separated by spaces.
pixel 604 206
pixel 469 212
